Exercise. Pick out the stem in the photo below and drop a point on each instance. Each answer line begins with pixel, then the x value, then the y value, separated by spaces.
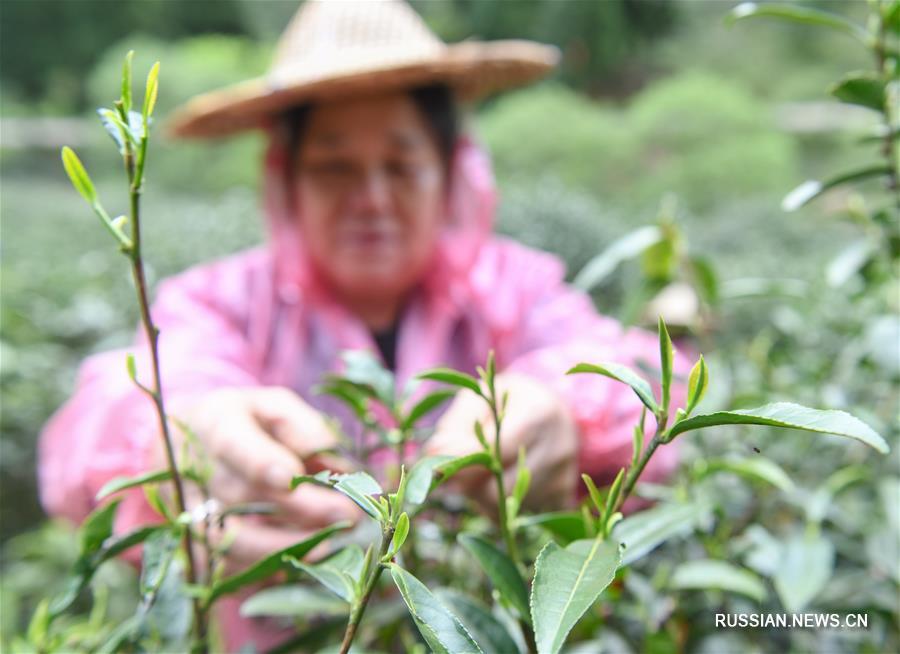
pixel 508 537
pixel 497 469
pixel 634 472
pixel 200 644
pixel 359 608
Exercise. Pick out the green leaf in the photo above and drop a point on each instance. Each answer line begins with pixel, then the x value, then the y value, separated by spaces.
pixel 401 531
pixel 453 378
pixel 116 545
pixel 97 527
pixel 567 582
pixel 359 486
pixel 614 490
pixel 791 416
pixel 622 374
pixel 126 81
pixel 432 471
pixel 39 624
pixel 442 630
pixel 293 601
pixel 891 16
pixel 863 89
pixel 361 367
pixel 159 551
pixel 349 393
pixel 425 406
pixel 271 564
pixel 809 191
pixel 594 493
pixel 122 483
pixel 643 532
pixel 150 91
pixel 698 381
pixel 523 479
pixel 338 573
pixel 817 504
pixel 420 476
pixel 666 354
pixel 705 278
pixel 797 14
pixel 78 175
pixel 565 525
pixel 709 574
pixel 753 468
pixel 485 629
pixel 500 569
pixel 806 566
pixel 114 127
pixel 598 269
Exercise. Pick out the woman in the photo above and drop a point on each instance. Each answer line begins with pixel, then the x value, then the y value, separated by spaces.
pixel 380 213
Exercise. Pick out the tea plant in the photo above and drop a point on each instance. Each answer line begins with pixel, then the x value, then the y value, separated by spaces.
pixel 545 571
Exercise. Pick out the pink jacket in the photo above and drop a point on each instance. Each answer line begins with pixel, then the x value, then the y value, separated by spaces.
pixel 260 318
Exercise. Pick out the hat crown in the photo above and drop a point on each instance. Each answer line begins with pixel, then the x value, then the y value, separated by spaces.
pixel 332 37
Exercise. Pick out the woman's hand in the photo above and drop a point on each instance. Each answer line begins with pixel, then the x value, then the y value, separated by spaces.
pixel 256 440
pixel 536 420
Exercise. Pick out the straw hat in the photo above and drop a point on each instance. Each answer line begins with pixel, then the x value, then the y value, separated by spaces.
pixel 334 48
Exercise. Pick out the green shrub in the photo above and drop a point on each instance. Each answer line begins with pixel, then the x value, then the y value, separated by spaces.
pixel 695 132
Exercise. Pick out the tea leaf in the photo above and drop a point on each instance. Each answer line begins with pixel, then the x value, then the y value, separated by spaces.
pixel 126 81
pixel 485 629
pixel 622 374
pixel 500 569
pixel 792 416
pixel 797 14
pixel 863 89
pixel 78 175
pixel 293 601
pixel 122 483
pixel 666 354
pixel 337 573
pixel 809 191
pixel 420 476
pixel 697 384
pixel 271 564
pixel 400 533
pixel 159 551
pixel 564 525
pixel 97 527
pixel 425 406
pixel 363 369
pixel 805 568
pixel 614 490
pixel 432 471
pixel 754 468
pixel 452 377
pixel 594 493
pixel 707 574
pixel 567 582
pixel 645 531
pixel 359 486
pixel 442 631
pixel 150 91
pixel 598 269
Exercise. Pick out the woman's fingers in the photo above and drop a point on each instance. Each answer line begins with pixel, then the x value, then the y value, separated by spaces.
pixel 242 445
pixel 290 420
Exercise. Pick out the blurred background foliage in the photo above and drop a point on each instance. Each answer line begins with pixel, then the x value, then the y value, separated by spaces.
pixel 658 112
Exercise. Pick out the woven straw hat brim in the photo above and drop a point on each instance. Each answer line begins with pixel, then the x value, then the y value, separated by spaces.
pixel 472 69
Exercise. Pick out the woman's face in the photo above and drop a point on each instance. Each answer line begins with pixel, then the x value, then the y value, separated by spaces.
pixel 370 190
